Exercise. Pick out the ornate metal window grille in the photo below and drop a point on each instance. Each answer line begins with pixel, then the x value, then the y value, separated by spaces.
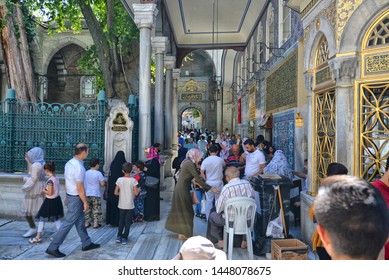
pixel 325 147
pixel 380 33
pixel 322 53
pixel 374 130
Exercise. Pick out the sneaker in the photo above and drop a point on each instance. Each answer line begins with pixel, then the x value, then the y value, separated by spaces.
pixel 30 232
pixel 124 241
pixel 34 240
pixel 118 239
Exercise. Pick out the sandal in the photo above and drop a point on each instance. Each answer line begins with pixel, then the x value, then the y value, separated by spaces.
pixel 34 240
pixel 98 226
pixel 87 226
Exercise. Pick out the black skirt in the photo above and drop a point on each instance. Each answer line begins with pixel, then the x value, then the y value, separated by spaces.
pixel 51 210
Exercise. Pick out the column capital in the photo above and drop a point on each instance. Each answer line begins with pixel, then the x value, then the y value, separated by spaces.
pixel 308 80
pixel 159 44
pixel 344 69
pixel 145 15
pixel 176 73
pixel 170 62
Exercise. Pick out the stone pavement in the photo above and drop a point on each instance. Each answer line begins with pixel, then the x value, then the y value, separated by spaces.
pixel 147 240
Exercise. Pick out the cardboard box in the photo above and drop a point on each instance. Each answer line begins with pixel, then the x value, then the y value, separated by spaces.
pixel 288 249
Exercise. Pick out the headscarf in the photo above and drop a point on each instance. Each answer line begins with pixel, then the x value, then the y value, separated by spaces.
pixel 153 154
pixel 36 155
pixel 279 165
pixel 194 155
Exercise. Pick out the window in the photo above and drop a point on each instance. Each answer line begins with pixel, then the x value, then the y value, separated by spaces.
pixel 269 31
pixel 380 33
pixel 284 18
pixel 260 53
pixel 322 53
pixel 88 87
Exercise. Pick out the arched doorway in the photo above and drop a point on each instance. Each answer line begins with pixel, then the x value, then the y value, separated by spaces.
pixel 197 89
pixel 191 118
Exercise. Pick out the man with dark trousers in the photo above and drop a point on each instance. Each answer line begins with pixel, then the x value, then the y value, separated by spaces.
pixel 76 203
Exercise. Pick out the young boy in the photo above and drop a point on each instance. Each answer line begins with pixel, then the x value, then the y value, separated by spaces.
pixel 126 189
pixel 140 176
pixel 93 181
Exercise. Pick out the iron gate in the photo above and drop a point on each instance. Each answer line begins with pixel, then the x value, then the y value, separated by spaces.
pixel 56 128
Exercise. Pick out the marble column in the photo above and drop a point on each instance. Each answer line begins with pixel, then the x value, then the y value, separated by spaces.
pixel 170 62
pixel 144 18
pixel 343 73
pixel 159 45
pixel 176 77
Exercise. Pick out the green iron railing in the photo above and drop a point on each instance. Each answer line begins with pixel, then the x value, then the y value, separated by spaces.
pixel 55 127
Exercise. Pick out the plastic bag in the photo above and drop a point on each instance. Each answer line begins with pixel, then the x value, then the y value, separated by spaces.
pixel 275 228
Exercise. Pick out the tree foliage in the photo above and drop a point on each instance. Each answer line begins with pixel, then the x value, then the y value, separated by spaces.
pixel 110 26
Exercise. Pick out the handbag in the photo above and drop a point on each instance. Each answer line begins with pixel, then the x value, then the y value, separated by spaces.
pixel 151 182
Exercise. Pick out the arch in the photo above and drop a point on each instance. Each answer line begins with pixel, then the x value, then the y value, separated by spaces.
pixel 201 64
pixel 63 42
pixel 314 39
pixel 361 20
pixel 381 33
pixel 186 106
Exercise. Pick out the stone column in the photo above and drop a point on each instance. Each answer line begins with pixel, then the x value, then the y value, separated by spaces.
pixel 159 46
pixel 176 77
pixel 144 18
pixel 343 73
pixel 307 226
pixel 170 62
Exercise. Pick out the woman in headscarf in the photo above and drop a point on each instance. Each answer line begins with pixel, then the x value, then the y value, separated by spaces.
pixel 178 160
pixel 180 219
pixel 33 185
pixel 115 172
pixel 279 165
pixel 152 200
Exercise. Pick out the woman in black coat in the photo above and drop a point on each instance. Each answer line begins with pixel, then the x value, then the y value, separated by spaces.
pixel 152 200
pixel 115 172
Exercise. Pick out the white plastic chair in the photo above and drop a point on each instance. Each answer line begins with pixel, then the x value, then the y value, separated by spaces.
pixel 239 213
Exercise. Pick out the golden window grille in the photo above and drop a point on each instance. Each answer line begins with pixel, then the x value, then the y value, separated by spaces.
pixel 325 128
pixel 374 130
pixel 322 53
pixel 380 33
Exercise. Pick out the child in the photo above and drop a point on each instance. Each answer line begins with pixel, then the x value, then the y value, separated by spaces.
pixel 52 208
pixel 126 190
pixel 93 181
pixel 140 176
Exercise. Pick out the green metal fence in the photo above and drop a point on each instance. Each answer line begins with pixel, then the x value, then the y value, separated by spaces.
pixel 55 127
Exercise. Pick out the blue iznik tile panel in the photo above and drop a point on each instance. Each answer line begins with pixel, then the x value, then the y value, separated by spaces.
pixel 284 133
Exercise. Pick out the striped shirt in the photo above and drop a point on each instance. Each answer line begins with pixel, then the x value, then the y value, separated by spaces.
pixel 235 187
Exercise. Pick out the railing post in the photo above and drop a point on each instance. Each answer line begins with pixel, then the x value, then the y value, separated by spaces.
pixel 10 112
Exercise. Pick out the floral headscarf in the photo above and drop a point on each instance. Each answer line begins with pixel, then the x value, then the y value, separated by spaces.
pixel 194 155
pixel 279 165
pixel 153 154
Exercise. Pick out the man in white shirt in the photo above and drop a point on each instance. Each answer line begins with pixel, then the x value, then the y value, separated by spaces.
pixel 234 188
pixel 255 160
pixel 212 172
pixel 76 202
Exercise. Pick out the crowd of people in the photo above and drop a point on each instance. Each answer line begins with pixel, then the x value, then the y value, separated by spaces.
pixel 215 166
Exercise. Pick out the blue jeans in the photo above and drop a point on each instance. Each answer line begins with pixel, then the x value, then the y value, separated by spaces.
pixel 74 217
pixel 199 194
pixel 125 222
